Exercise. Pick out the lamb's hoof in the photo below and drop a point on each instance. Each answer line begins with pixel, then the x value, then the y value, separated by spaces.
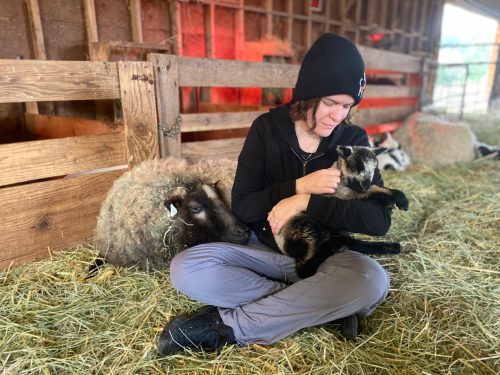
pixel 394 248
pixel 349 327
pixel 401 200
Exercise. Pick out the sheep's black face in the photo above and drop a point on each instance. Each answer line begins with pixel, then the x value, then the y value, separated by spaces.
pixel 357 166
pixel 202 216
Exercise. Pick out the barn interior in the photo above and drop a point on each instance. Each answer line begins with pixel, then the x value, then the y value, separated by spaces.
pixel 87 92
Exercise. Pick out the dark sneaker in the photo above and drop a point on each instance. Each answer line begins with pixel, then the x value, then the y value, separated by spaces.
pixel 203 330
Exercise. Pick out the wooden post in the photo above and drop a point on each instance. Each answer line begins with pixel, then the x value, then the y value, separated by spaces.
pixel 38 42
pixel 137 89
pixel 99 51
pixel 269 18
pixel 136 19
pixel 240 30
pixel 168 106
pixel 357 38
pixel 178 17
pixel 90 21
pixel 289 23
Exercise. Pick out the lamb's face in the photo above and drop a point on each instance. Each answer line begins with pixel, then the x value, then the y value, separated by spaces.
pixel 357 166
pixel 201 216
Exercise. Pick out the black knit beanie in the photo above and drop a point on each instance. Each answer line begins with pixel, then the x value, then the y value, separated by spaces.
pixel 333 65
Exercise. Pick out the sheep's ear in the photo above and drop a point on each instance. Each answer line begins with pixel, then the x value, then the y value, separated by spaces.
pixel 172 206
pixel 174 200
pixel 380 150
pixel 344 151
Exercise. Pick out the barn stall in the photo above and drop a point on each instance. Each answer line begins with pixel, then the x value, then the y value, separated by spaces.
pixel 440 316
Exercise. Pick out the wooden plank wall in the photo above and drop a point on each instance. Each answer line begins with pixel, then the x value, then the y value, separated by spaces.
pixel 410 26
pixel 41 209
pixel 175 72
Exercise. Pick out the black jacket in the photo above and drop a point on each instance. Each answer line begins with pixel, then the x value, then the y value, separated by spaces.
pixel 269 165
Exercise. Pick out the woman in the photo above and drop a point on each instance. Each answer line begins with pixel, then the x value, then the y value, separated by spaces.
pixel 284 168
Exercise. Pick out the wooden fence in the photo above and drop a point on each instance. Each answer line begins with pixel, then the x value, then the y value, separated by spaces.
pixel 43 212
pixel 382 109
pixel 40 210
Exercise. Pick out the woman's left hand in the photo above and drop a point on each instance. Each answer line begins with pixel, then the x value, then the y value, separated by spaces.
pixel 286 209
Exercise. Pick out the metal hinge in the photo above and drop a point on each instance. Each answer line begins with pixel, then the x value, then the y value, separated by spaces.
pixel 174 129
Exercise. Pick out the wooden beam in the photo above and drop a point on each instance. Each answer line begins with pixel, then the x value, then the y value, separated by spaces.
pixel 31 80
pixel 224 148
pixel 36 30
pixel 269 18
pixel 139 111
pixel 357 38
pixel 51 215
pixel 239 37
pixel 176 7
pixel 388 102
pixel 343 8
pixel 309 40
pixel 227 73
pixel 289 22
pixel 37 40
pixel 168 105
pixel 99 51
pixel 28 161
pixel 370 116
pixel 90 21
pixel 50 127
pixel 217 121
pixel 197 72
pixel 136 20
pixel 209 30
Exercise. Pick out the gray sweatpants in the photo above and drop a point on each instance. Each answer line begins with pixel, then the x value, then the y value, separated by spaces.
pixel 260 296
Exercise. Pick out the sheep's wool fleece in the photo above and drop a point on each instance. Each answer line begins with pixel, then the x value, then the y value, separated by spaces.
pixel 133 224
pixel 430 140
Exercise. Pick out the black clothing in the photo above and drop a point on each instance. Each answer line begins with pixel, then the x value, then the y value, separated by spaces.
pixel 333 65
pixel 269 165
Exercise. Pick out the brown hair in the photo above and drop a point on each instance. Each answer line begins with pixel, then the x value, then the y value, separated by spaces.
pixel 298 111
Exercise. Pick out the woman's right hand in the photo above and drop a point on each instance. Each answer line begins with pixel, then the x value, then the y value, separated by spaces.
pixel 324 181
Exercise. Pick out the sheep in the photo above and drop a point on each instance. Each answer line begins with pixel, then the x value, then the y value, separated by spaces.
pixel 162 207
pixel 310 243
pixel 390 155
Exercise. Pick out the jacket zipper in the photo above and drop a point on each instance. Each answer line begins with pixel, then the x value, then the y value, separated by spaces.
pixel 304 163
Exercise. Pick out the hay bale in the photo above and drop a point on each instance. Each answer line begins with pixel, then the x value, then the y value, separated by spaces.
pixel 434 141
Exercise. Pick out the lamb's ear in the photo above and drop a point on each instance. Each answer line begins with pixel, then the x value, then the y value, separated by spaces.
pixel 380 150
pixel 344 151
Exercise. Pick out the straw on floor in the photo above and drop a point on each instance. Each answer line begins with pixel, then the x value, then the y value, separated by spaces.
pixel 441 317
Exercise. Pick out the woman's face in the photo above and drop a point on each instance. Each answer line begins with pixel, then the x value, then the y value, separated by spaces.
pixel 332 110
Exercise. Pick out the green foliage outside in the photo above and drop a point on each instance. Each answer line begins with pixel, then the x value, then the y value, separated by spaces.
pixel 448 75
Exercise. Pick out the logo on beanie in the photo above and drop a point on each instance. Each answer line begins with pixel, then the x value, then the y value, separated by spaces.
pixel 362 85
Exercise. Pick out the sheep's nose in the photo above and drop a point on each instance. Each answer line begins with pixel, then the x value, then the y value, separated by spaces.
pixel 240 234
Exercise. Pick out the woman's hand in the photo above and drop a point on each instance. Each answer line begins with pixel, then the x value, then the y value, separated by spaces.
pixel 324 181
pixel 285 209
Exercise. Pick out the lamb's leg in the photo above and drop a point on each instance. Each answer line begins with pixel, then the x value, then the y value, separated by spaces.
pixel 373 247
pixel 327 249
pixel 388 197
